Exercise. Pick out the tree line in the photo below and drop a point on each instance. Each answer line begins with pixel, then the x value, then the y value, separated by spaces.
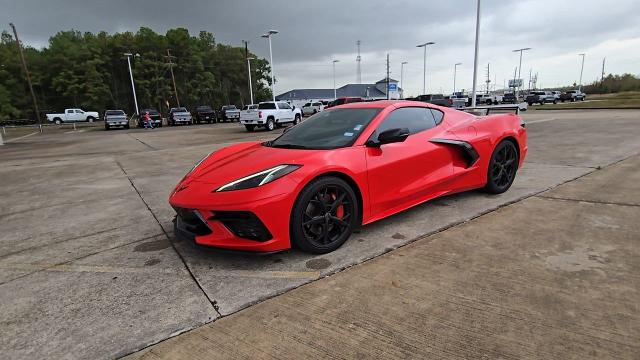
pixel 90 71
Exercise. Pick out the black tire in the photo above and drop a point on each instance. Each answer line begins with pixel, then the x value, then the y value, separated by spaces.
pixel 90 119
pixel 127 126
pixel 270 125
pixel 561 100
pixel 106 127
pixel 250 127
pixel 488 102
pixel 530 104
pixel 503 167
pixel 555 101
pixel 296 119
pixel 57 121
pixel 324 215
pixel 573 99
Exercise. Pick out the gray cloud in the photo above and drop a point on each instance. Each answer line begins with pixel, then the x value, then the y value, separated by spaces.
pixel 313 33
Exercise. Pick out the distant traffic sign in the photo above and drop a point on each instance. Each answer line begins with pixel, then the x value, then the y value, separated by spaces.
pixel 393 87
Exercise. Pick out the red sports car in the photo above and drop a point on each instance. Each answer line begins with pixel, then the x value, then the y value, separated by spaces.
pixel 342 168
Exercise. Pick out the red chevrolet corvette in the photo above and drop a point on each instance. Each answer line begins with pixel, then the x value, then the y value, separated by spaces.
pixel 342 168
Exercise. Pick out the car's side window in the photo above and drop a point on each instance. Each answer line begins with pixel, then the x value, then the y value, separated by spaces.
pixel 416 119
pixel 437 115
pixel 70 111
pixel 283 105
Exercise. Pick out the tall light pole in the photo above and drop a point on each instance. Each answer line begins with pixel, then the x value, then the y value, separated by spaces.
pixel 424 65
pixel 455 71
pixel 268 36
pixel 475 57
pixel 250 85
pixel 581 68
pixel 519 68
pixel 133 86
pixel 401 76
pixel 335 92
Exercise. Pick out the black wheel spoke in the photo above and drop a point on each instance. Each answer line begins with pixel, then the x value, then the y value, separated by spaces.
pixel 314 221
pixel 337 202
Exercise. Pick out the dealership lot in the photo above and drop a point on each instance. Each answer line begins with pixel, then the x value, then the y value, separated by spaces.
pixel 89 266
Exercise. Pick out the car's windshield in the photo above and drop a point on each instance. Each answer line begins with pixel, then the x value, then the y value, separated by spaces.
pixel 330 129
pixel 306 105
pixel 204 108
pixel 229 107
pixel 114 112
pixel 180 109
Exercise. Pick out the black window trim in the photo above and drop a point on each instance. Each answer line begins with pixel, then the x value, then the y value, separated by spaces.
pixel 375 131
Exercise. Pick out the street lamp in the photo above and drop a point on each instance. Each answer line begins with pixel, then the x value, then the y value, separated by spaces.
pixel 250 86
pixel 581 68
pixel 335 93
pixel 133 86
pixel 401 74
pixel 424 65
pixel 268 36
pixel 455 71
pixel 519 68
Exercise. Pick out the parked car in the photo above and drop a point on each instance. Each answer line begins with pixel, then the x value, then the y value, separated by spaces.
pixel 271 114
pixel 311 108
pixel 304 188
pixel 205 113
pixel 436 99
pixel 540 97
pixel 179 115
pixel 509 98
pixel 344 100
pixel 156 117
pixel 557 94
pixel 457 101
pixel 249 112
pixel 573 95
pixel 115 118
pixel 229 113
pixel 73 115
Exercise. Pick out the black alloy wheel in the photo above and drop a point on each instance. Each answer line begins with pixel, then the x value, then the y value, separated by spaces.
pixel 324 215
pixel 502 168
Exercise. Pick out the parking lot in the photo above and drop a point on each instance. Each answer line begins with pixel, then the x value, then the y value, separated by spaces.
pixel 89 266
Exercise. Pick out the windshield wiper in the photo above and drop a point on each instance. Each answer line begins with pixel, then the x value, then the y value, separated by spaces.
pixel 288 146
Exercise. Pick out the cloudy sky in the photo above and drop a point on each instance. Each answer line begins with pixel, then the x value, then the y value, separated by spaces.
pixel 312 33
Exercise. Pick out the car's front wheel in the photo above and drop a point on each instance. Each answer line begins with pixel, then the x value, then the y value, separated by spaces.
pixel 324 215
pixel 502 167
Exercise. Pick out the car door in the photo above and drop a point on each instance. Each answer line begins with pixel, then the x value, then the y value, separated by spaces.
pixel 405 173
pixel 285 112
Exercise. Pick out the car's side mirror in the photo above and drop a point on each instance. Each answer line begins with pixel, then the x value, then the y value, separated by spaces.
pixel 389 136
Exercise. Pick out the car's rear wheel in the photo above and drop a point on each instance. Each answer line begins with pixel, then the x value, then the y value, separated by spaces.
pixel 502 167
pixel 270 124
pixel 324 215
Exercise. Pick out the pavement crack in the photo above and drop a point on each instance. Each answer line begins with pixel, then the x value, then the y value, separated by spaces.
pixel 586 201
pixel 142 142
pixel 213 302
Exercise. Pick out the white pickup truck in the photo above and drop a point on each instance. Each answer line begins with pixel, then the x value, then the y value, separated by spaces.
pixel 73 115
pixel 271 114
pixel 249 111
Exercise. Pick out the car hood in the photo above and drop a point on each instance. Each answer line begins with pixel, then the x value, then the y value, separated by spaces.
pixel 240 160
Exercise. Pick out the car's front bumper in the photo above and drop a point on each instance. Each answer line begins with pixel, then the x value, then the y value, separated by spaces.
pixel 246 220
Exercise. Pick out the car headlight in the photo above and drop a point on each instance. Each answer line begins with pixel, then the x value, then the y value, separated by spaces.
pixel 259 179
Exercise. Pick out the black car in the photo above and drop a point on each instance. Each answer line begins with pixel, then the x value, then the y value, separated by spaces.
pixel 155 116
pixel 509 98
pixel 206 114
pixel 229 113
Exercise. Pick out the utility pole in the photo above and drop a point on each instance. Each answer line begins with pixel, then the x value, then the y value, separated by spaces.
pixel 401 76
pixel 488 81
pixel 475 57
pixel 455 71
pixel 26 73
pixel 246 56
pixel 530 70
pixel 358 68
pixel 388 77
pixel 133 86
pixel 335 92
pixel 173 78
pixel 581 69
pixel 602 76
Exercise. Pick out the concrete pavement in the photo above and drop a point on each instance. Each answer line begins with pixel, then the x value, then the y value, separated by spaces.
pixel 89 267
pixel 553 276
